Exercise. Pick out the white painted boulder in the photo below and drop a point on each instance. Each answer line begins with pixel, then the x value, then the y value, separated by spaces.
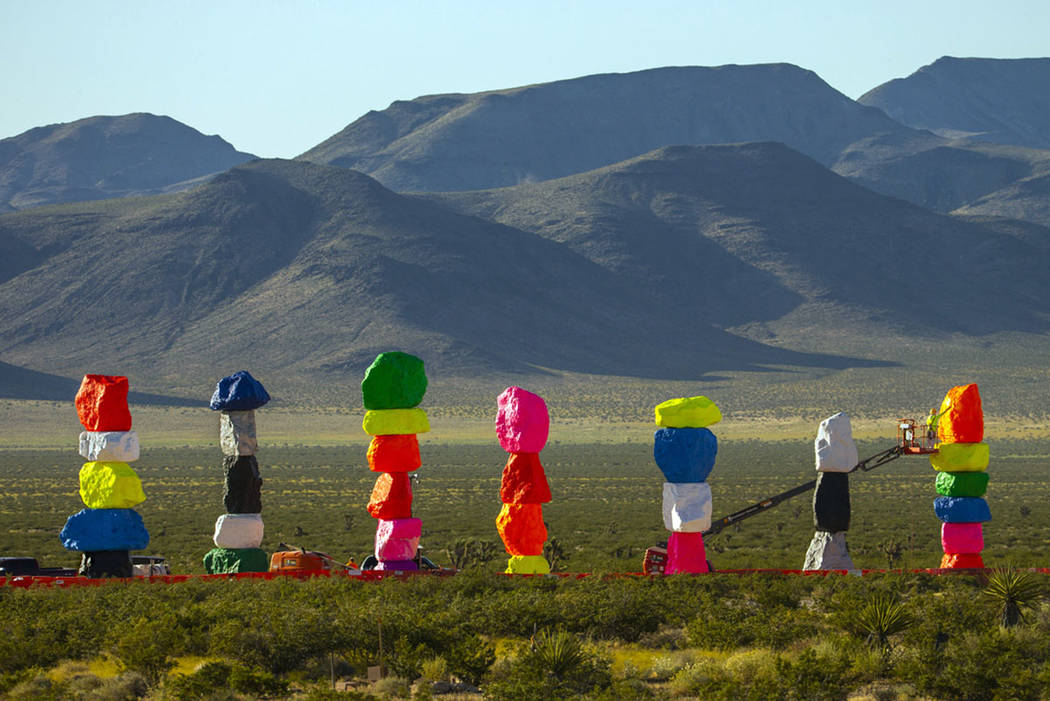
pixel 687 507
pixel 109 446
pixel 834 446
pixel 238 531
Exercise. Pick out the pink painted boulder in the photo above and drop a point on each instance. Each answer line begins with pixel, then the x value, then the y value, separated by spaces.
pixel 686 554
pixel 398 538
pixel 522 421
pixel 959 538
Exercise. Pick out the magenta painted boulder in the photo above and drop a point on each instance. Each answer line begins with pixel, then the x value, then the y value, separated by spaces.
pixel 960 538
pixel 398 538
pixel 686 554
pixel 522 421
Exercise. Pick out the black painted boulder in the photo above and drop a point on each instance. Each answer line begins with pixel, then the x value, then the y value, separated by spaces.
pixel 831 508
pixel 106 563
pixel 243 493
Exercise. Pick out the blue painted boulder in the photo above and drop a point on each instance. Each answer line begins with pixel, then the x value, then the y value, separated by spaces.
pixel 91 530
pixel 238 392
pixel 685 454
pixel 962 509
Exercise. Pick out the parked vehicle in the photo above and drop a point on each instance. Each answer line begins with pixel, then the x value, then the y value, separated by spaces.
pixel 149 566
pixel 29 567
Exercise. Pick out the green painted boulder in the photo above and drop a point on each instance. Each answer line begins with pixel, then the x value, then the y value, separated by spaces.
pixel 229 561
pixel 394 380
pixel 962 484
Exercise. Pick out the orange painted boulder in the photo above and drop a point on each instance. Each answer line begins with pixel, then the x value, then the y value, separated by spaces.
pixel 102 403
pixel 961 419
pixel 524 481
pixel 391 496
pixel 962 561
pixel 394 453
pixel 522 529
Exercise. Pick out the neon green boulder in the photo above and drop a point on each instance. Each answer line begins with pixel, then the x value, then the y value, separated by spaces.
pixel 960 457
pixel 962 484
pixel 395 422
pixel 527 564
pixel 110 485
pixel 687 412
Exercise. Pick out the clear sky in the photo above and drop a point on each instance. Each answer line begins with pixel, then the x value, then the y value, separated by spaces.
pixel 275 77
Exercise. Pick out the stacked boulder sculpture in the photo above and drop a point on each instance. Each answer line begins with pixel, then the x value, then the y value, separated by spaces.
pixel 108 528
pixel 961 460
pixel 522 427
pixel 393 387
pixel 836 456
pixel 239 531
pixel 685 450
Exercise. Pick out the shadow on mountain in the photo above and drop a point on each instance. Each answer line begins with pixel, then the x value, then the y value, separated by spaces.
pixel 22 383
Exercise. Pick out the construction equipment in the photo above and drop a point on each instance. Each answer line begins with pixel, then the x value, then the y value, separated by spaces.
pixel 292 558
pixel 912 439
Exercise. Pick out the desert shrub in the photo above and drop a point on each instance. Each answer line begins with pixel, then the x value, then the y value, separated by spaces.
pixel 728 625
pixel 124 687
pixel 813 677
pixel 214 677
pixel 552 665
pixel 392 688
pixel 148 646
pixel 1014 593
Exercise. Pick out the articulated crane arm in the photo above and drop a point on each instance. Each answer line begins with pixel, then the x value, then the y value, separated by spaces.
pixel 864 465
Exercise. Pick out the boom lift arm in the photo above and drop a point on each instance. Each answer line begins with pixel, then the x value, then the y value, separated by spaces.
pixel 864 465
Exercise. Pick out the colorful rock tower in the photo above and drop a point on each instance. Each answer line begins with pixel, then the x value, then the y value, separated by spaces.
pixel 961 460
pixel 685 449
pixel 108 528
pixel 393 387
pixel 239 532
pixel 522 426
pixel 836 456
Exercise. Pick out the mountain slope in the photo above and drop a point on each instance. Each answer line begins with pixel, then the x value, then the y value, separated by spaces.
pixel 539 132
pixel 299 269
pixel 103 157
pixel 729 231
pixel 1005 101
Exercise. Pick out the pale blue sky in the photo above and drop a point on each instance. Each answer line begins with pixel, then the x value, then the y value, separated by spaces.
pixel 275 78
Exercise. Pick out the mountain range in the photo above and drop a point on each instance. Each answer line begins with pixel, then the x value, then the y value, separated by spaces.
pixel 103 157
pixel 673 223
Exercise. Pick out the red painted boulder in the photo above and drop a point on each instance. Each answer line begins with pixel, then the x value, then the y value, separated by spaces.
pixel 524 481
pixel 522 529
pixel 522 421
pixel 102 403
pixel 961 419
pixel 391 496
pixel 394 453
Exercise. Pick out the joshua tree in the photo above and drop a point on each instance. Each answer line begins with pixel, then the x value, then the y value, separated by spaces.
pixel 893 550
pixel 553 551
pixel 1013 592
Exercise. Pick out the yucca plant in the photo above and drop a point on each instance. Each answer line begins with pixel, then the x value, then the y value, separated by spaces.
pixel 884 615
pixel 1014 592
pixel 558 654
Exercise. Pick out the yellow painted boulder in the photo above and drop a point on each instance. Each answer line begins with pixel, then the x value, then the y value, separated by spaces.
pixel 960 457
pixel 110 485
pixel 395 422
pixel 527 564
pixel 687 412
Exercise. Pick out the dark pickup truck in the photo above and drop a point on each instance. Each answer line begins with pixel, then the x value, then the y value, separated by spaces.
pixel 29 567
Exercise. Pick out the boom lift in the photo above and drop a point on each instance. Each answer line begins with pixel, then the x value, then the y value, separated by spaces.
pixel 912 439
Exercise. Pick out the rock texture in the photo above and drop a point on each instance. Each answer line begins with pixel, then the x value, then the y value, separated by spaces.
pixel 523 480
pixel 230 561
pixel 90 530
pixel 828 551
pixel 962 509
pixel 521 529
pixel 239 392
pixel 687 507
pixel 391 496
pixel 962 484
pixel 394 454
pixel 237 433
pixel 109 446
pixel 106 563
pixel 242 493
pixel 962 418
pixel 392 422
pixel 238 531
pixel 110 485
pixel 687 412
pixel 961 457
